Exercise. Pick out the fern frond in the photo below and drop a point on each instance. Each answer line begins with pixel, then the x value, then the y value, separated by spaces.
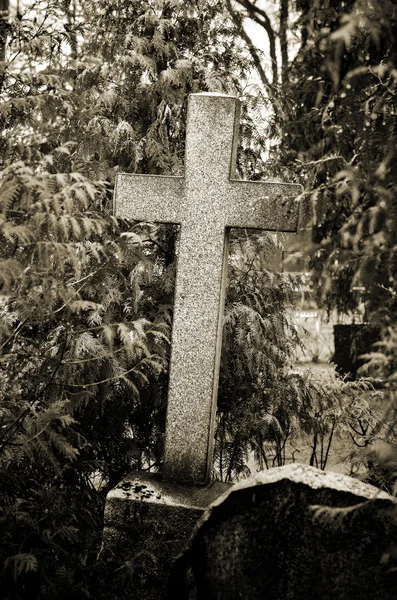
pixel 21 563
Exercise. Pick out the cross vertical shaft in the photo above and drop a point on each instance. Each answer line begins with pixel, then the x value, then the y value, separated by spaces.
pixel 200 289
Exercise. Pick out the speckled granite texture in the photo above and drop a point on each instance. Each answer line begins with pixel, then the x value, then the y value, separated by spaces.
pixel 275 537
pixel 205 202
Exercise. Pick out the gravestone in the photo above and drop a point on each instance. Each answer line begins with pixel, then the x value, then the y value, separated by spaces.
pixel 352 340
pixel 292 533
pixel 148 517
pixel 206 203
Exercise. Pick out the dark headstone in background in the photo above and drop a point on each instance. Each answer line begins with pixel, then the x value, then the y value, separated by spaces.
pixel 351 341
pixel 270 538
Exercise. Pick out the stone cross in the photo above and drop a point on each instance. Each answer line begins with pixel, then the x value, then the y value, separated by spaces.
pixel 206 203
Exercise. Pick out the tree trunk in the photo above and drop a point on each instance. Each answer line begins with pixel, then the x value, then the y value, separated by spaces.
pixel 4 14
pixel 284 13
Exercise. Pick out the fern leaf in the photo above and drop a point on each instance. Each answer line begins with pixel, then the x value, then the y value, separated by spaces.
pixel 21 563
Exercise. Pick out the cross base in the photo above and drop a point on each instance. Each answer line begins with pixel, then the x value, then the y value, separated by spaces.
pixel 148 523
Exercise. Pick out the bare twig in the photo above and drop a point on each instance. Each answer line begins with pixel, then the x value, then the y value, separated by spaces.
pixel 115 377
pixel 323 465
pixel 14 334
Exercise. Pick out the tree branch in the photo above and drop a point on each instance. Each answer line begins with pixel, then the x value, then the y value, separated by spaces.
pixel 237 20
pixel 261 17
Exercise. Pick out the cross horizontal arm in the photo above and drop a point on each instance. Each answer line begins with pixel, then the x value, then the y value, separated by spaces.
pixel 262 205
pixel 151 198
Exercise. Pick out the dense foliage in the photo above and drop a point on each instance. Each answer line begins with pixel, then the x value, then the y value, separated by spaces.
pixel 86 299
pixel 331 93
pixel 331 88
pixel 341 87
pixel 340 131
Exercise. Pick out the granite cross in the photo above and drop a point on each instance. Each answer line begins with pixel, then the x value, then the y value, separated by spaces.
pixel 206 203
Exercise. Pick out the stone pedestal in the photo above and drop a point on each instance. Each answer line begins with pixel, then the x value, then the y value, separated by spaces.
pixel 147 523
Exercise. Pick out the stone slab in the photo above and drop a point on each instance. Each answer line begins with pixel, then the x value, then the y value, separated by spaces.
pixel 292 533
pixel 147 523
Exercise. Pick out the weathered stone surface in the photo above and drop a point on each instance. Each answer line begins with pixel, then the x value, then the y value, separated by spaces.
pixel 147 524
pixel 205 202
pixel 269 538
